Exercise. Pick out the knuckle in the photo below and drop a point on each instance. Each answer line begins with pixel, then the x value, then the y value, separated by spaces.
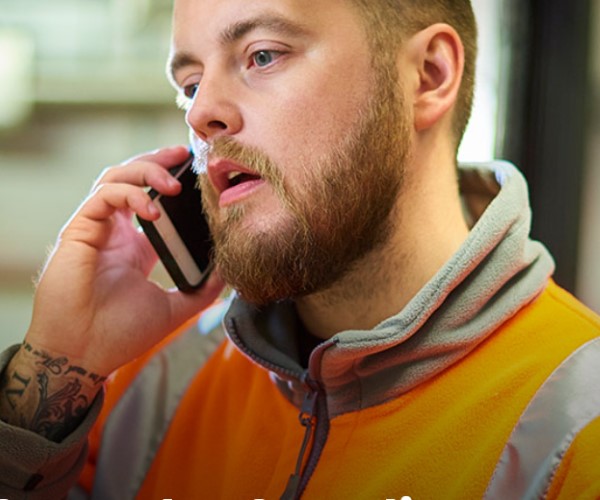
pixel 99 187
pixel 107 175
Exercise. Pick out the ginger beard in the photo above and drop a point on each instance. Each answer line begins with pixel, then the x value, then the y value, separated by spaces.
pixel 337 215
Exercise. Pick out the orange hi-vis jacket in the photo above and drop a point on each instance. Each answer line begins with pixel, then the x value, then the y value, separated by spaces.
pixel 487 384
pixel 234 435
pixel 422 406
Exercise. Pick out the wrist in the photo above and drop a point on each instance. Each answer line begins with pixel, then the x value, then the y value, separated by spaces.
pixel 46 393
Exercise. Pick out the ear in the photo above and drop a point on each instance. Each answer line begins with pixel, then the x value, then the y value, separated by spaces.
pixel 437 54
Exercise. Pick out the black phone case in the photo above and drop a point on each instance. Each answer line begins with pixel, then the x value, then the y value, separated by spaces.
pixel 163 252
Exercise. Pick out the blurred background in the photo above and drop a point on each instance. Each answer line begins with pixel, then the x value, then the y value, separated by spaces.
pixel 82 86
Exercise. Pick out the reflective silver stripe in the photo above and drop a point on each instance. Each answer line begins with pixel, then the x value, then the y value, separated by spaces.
pixel 136 426
pixel 567 401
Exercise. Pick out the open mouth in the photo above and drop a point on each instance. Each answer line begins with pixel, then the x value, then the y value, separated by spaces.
pixel 232 181
pixel 237 178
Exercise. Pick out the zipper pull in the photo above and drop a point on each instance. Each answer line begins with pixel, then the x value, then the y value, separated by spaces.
pixel 307 411
pixel 307 419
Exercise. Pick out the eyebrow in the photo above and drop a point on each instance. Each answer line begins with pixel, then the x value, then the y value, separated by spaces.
pixel 270 22
pixel 236 31
pixel 178 61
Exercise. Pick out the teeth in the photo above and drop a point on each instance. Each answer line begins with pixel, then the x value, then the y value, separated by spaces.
pixel 233 174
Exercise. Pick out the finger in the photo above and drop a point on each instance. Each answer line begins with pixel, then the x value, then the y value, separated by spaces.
pixel 136 169
pixel 142 174
pixel 164 156
pixel 107 198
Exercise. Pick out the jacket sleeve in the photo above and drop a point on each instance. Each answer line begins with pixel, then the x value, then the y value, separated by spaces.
pixel 34 467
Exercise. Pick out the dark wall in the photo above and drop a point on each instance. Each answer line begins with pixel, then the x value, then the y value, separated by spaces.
pixel 547 116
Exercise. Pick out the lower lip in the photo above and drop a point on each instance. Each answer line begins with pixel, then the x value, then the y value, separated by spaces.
pixel 238 193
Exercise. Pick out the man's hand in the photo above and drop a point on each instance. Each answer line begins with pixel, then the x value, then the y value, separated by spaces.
pixel 95 308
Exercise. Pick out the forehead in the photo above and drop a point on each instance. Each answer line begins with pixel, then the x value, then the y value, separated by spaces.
pixel 207 19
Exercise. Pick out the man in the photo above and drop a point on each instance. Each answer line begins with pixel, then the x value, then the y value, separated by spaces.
pixel 415 331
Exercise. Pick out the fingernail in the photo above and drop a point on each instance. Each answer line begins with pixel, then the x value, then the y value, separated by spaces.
pixel 152 209
pixel 172 182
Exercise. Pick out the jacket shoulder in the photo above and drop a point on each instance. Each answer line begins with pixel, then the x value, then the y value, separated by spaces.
pixel 569 306
pixel 558 317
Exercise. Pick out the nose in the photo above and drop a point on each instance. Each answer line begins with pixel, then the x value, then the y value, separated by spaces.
pixel 214 112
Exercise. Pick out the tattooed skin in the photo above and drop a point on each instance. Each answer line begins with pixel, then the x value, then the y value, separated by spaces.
pixel 65 405
pixel 46 394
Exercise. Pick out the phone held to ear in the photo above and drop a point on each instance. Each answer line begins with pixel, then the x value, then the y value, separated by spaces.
pixel 181 236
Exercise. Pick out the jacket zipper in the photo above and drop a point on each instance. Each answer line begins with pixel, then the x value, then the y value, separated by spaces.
pixel 308 420
pixel 313 416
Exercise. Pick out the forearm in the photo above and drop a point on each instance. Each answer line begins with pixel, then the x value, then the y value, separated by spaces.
pixel 46 393
pixel 31 466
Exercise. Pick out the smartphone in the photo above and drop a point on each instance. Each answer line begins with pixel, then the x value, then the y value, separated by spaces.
pixel 181 236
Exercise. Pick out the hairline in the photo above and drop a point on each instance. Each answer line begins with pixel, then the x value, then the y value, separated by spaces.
pixel 385 43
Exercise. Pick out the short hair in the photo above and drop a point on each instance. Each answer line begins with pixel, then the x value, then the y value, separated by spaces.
pixel 389 22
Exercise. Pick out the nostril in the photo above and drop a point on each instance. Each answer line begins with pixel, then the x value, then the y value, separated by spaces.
pixel 217 124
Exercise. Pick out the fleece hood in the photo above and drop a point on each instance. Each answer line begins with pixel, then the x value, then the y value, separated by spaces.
pixel 496 272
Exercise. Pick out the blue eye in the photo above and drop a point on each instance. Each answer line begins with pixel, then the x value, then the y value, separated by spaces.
pixel 263 58
pixel 190 90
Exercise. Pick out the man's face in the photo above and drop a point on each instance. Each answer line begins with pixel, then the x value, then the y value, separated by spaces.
pixel 289 93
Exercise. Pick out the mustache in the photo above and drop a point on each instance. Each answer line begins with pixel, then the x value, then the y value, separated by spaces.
pixel 250 157
pixel 230 149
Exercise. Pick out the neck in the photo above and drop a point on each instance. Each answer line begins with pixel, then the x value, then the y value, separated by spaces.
pixel 429 228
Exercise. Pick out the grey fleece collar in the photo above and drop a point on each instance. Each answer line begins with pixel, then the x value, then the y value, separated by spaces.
pixel 496 272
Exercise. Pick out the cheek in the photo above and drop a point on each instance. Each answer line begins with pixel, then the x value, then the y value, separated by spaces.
pixel 305 126
pixel 306 112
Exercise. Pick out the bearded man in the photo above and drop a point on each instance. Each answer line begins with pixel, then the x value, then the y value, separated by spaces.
pixel 392 301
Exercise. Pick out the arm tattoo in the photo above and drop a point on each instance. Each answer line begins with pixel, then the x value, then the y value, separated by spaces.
pixel 54 410
pixel 18 386
pixel 46 394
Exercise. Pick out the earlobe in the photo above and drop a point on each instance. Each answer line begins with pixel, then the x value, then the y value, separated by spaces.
pixel 439 56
